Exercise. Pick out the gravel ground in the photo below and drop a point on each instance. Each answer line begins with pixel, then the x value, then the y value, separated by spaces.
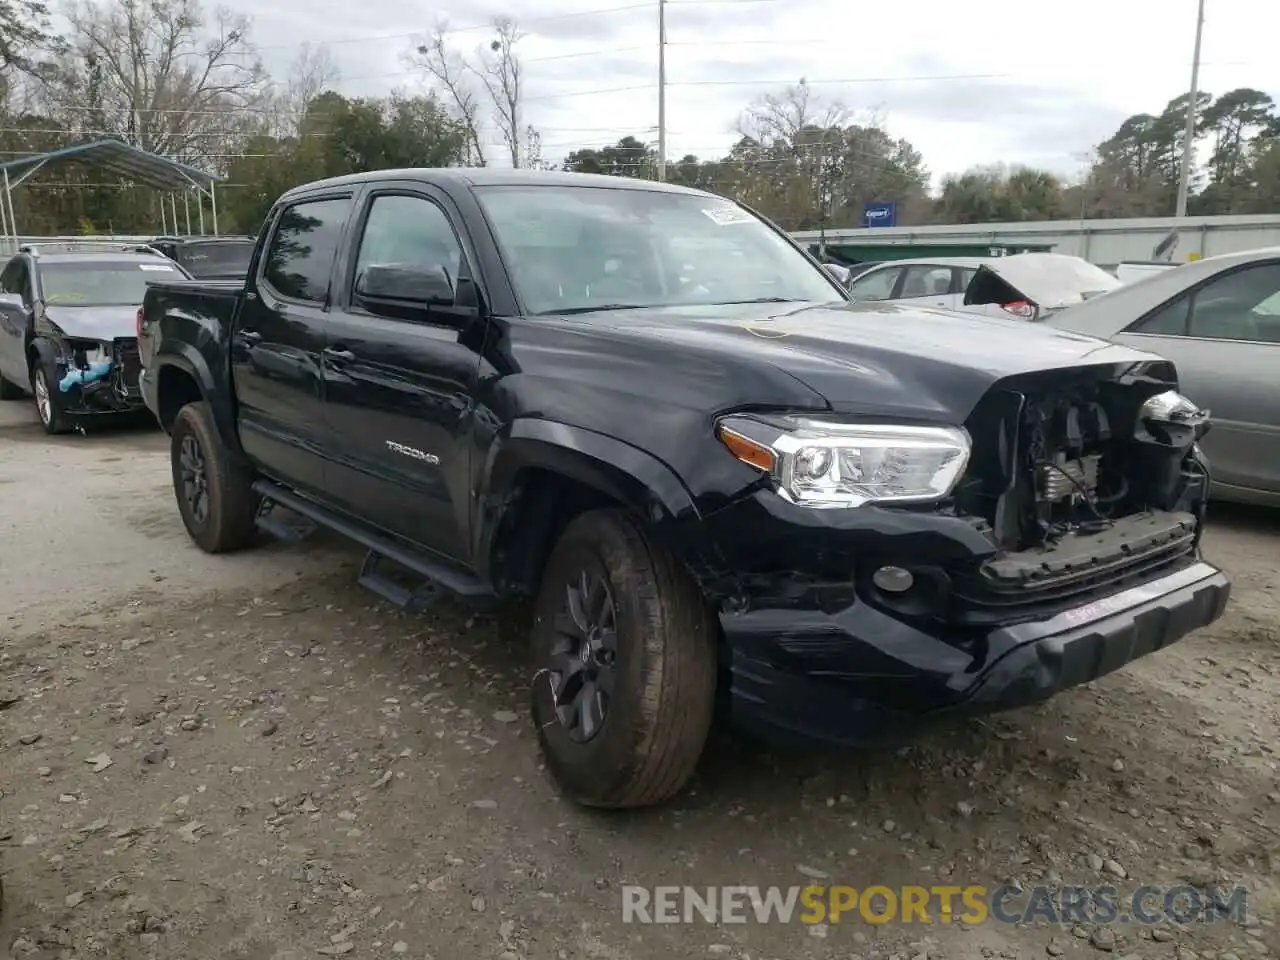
pixel 248 758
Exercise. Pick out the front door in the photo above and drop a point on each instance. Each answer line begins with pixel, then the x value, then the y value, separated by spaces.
pixel 14 321
pixel 1224 337
pixel 398 389
pixel 278 337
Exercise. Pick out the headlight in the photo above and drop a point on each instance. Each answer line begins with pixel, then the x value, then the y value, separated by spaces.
pixel 820 464
pixel 1171 407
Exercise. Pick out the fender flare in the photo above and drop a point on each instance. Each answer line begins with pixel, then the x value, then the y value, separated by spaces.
pixel 627 474
pixel 188 359
pixel 45 350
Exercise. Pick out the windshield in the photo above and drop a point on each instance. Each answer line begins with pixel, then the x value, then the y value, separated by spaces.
pixel 579 249
pixel 102 284
pixel 229 259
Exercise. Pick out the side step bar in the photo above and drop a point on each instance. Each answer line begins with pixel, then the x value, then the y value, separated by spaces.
pixel 439 575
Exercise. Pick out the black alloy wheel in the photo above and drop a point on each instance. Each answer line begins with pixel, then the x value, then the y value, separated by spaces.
pixel 582 662
pixel 195 479
pixel 213 487
pixel 624 667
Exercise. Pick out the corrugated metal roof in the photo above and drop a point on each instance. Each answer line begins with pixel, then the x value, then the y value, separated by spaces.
pixel 117 157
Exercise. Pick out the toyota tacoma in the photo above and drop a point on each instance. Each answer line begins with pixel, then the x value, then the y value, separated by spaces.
pixel 718 480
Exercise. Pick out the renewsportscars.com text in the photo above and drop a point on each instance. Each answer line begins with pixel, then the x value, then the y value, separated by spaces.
pixel 973 904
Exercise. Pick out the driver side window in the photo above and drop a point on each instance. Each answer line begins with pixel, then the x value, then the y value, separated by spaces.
pixel 877 285
pixel 411 232
pixel 14 280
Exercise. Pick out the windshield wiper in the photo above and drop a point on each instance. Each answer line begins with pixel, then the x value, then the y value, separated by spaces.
pixel 572 311
pixel 727 303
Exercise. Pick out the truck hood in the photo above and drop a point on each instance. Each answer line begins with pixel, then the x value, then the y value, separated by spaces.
pixel 94 323
pixel 877 358
pixel 1050 281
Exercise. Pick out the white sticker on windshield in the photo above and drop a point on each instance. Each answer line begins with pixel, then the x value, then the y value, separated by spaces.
pixel 155 267
pixel 728 215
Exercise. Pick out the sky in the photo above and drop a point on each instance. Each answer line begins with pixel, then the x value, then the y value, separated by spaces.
pixel 997 81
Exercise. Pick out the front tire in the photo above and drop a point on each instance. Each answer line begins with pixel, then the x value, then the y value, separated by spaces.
pixel 624 665
pixel 214 490
pixel 48 401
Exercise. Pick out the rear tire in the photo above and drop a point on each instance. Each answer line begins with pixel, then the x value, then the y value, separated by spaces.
pixel 646 682
pixel 214 490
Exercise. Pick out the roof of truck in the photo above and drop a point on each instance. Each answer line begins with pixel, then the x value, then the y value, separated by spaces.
pixel 496 176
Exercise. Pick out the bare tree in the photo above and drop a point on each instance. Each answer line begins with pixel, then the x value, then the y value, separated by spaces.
pixel 787 115
pixel 161 74
pixel 500 75
pixel 312 72
pixel 452 71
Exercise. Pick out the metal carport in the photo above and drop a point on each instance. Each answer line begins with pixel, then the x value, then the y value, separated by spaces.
pixel 130 164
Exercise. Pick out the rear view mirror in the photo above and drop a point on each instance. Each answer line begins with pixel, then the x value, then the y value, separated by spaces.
pixel 13 300
pixel 425 286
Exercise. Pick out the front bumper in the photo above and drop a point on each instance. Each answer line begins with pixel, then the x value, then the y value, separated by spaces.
pixel 831 667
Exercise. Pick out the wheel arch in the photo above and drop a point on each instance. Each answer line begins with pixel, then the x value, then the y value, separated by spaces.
pixel 183 376
pixel 540 474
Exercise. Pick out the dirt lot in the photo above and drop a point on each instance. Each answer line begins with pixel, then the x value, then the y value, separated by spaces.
pixel 248 758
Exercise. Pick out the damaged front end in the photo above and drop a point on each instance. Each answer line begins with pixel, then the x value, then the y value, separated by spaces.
pixel 1050 539
pixel 1082 482
pixel 98 377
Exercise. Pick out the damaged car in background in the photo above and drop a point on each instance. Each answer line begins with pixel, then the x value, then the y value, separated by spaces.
pixel 68 328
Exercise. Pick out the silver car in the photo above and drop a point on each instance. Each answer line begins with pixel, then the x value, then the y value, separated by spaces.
pixel 1218 320
pixel 1025 286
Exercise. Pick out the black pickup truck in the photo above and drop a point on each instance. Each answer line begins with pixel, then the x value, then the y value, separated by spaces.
pixel 720 481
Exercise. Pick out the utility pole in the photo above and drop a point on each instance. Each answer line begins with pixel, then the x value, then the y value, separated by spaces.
pixel 662 90
pixel 1188 143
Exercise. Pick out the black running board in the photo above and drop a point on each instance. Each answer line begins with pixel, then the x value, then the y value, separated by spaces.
pixel 440 576
pixel 290 529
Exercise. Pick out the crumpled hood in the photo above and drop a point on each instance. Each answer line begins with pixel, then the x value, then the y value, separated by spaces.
pixel 1052 281
pixel 94 323
pixel 880 358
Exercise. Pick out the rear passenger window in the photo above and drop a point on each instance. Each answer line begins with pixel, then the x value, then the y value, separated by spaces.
pixel 300 259
pixel 924 281
pixel 1168 321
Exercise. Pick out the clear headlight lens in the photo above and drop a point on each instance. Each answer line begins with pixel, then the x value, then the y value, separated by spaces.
pixel 821 464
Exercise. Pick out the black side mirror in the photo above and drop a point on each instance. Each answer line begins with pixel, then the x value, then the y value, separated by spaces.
pixel 421 286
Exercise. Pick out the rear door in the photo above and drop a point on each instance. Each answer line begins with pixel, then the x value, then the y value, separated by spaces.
pixel 1224 336
pixel 928 284
pixel 278 337
pixel 398 389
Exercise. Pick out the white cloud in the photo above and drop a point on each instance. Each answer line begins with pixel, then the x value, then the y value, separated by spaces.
pixel 1003 80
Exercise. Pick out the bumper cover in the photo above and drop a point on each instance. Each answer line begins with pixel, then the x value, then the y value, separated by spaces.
pixel 857 675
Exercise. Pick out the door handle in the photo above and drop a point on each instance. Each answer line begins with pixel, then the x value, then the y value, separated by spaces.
pixel 249 336
pixel 337 353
